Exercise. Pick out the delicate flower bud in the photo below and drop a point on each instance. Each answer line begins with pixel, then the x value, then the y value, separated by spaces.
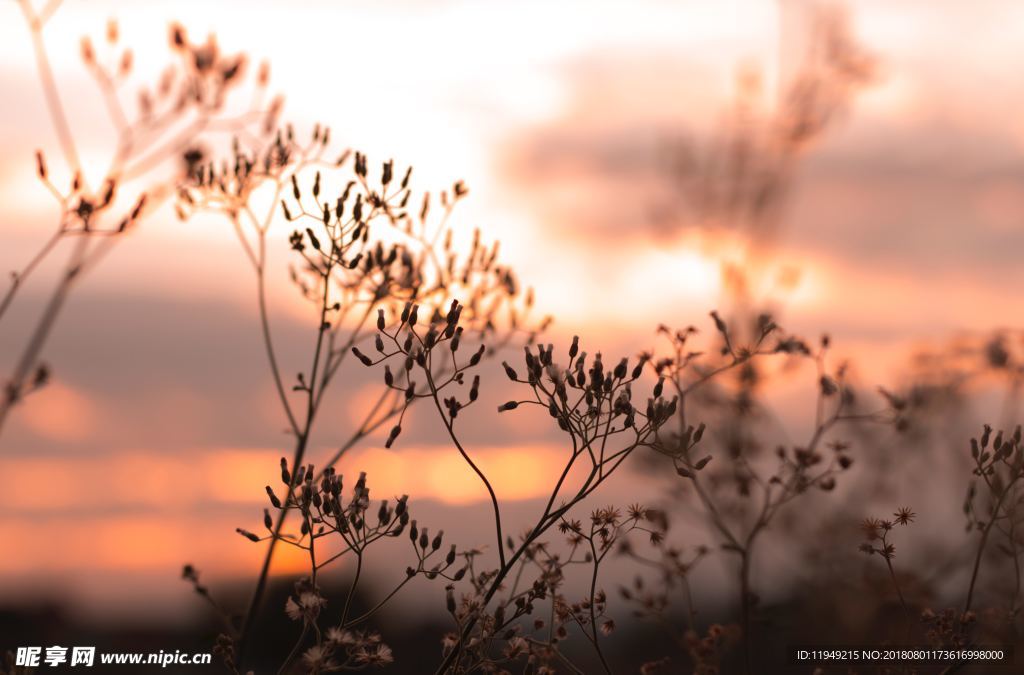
pixel 247 534
pixel 367 361
pixel 273 498
pixel 699 433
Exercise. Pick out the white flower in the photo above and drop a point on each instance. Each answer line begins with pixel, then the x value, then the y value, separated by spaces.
pixel 318 657
pixel 292 609
pixel 340 637
pixel 379 655
pixel 306 606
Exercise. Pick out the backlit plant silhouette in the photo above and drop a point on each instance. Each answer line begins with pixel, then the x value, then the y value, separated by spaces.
pixel 187 103
pixel 392 289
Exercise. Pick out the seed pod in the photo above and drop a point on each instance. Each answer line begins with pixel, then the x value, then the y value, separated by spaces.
pixel 719 323
pixel 699 433
pixel 247 534
pixel 509 405
pixel 312 238
pixel 459 574
pixel 395 430
pixel 367 361
pixel 286 477
pixel 638 369
pixel 620 370
pixel 436 542
pixel 414 533
pixel 575 348
pixel 267 521
pixel 389 378
pixel 474 391
pixel 380 319
pixel 508 371
pixel 273 498
pixel 658 388
pixel 450 600
pixel 450 558
pixel 378 343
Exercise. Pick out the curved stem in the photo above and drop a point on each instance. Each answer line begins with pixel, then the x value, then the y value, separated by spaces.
pixel 462 451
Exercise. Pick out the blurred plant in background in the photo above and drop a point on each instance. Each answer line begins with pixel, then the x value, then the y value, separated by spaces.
pixel 95 211
pixel 389 280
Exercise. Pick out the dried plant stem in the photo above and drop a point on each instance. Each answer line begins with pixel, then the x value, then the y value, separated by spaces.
pixel 36 23
pixel 549 518
pixel 30 356
pixel 352 589
pixel 462 451
pixel 975 571
pixel 299 455
pixel 18 278
pixel 593 611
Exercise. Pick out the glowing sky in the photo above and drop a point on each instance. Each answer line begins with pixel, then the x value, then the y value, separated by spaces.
pixel 905 223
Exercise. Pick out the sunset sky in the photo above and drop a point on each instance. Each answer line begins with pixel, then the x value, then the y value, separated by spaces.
pixel 904 226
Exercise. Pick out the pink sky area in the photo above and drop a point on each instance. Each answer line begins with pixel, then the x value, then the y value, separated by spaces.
pixel 905 226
